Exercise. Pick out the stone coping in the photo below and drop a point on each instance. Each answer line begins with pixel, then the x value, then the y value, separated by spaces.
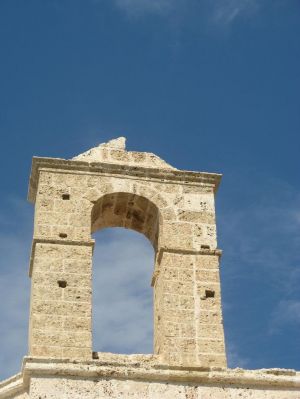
pixel 212 179
pixel 146 368
pixel 12 386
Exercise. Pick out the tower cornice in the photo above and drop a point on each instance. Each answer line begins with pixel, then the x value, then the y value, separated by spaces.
pixel 167 175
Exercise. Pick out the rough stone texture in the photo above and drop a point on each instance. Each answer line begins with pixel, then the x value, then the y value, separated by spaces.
pixel 105 187
pixel 114 152
pixel 144 377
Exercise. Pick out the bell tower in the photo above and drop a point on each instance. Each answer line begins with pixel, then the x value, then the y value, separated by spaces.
pixel 108 186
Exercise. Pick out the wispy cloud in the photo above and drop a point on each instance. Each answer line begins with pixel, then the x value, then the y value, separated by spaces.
pixel 122 266
pixel 227 11
pixel 220 12
pixel 141 7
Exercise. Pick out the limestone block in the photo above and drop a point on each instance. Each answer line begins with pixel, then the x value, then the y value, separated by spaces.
pixel 198 189
pixel 50 292
pixel 188 329
pixel 69 180
pixel 179 287
pixel 179 316
pixel 177 235
pixel 49 321
pixel 196 217
pixel 77 294
pixel 82 266
pixel 186 274
pixel 209 317
pixel 207 275
pixel 45 204
pixel 77 352
pixel 52 218
pixel 41 230
pixel 72 279
pixel 211 331
pixel 73 339
pixel 169 188
pixel 76 323
pixel 210 345
pixel 206 262
pixel 212 360
pixel 69 233
pixel 176 260
pixel 61 308
pixel 199 202
pixel 48 264
pixel 46 351
pixel 167 391
pixel 170 273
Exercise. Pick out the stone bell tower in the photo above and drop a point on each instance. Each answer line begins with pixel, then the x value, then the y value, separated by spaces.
pixel 108 186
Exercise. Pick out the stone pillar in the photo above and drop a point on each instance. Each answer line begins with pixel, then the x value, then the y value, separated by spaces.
pixel 188 310
pixel 61 260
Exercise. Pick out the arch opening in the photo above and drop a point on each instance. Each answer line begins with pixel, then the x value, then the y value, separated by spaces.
pixel 127 210
pixel 123 264
pixel 122 296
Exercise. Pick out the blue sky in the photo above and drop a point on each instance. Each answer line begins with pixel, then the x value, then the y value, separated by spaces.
pixel 207 85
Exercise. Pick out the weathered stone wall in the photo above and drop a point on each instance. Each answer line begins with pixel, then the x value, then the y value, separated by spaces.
pixel 128 389
pixel 174 210
pixel 60 318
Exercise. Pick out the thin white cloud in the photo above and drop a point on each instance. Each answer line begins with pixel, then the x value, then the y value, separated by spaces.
pixel 140 7
pixel 220 12
pixel 123 311
pixel 227 11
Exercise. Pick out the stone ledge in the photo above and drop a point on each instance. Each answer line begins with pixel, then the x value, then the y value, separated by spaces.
pixel 150 368
pixel 146 368
pixel 12 386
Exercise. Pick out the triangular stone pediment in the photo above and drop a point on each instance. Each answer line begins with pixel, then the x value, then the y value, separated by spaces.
pixel 114 151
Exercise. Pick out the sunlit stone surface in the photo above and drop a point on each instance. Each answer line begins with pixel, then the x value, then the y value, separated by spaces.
pixel 108 186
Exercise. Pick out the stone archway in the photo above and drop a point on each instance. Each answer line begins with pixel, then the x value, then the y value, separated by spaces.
pixel 130 211
pixel 127 210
